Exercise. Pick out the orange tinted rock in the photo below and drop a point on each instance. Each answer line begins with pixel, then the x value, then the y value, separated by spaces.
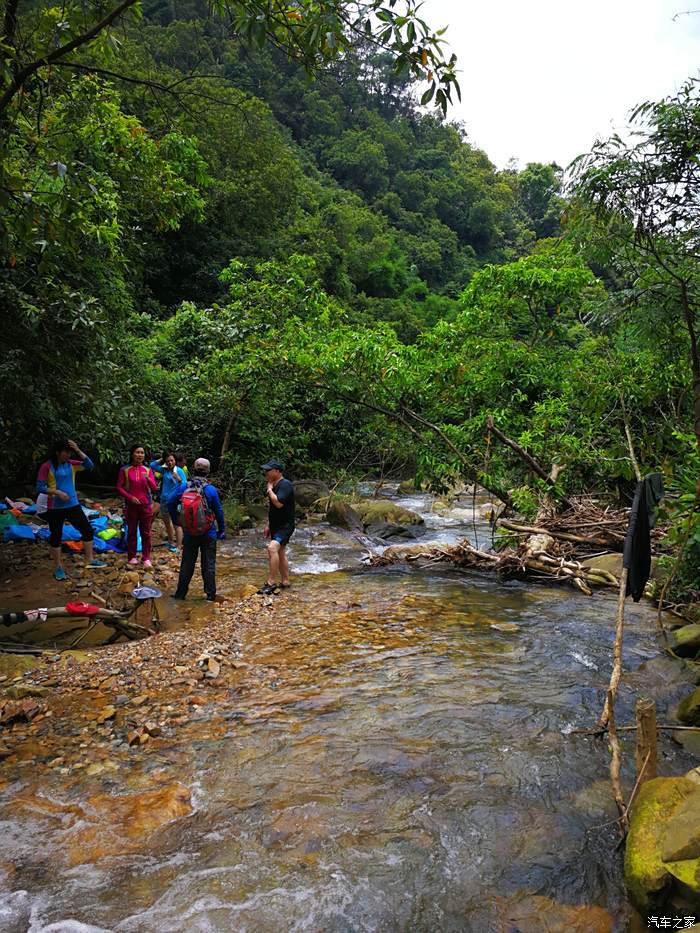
pixel 106 826
pixel 532 914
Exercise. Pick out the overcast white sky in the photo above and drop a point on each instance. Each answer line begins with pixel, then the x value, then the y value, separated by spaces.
pixel 541 79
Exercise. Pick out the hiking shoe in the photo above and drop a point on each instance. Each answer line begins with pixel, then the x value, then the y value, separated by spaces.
pixel 59 574
pixel 173 548
pixel 134 561
pixel 216 599
pixel 96 565
pixel 268 589
pixel 147 564
pixel 285 586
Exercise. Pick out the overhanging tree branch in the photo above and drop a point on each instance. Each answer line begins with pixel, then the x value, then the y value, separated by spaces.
pixel 77 42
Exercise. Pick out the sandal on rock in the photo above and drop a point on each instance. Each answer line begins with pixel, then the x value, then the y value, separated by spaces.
pixel 268 589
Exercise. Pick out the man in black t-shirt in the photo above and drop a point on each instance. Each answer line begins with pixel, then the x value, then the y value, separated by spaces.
pixel 280 526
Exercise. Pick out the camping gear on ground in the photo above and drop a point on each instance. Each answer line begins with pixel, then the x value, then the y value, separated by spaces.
pixel 18 533
pixel 108 533
pixel 7 519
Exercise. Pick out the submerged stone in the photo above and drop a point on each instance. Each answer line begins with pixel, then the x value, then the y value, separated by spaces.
pixel 534 913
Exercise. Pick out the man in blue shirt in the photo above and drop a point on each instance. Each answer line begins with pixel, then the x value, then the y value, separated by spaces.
pixel 205 543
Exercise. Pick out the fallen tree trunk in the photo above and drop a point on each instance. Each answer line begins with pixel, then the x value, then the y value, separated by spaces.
pixel 509 562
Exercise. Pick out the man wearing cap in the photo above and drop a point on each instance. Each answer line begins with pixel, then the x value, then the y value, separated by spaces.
pixel 194 544
pixel 280 526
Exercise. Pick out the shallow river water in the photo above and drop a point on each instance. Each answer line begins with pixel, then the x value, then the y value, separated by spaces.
pixel 408 763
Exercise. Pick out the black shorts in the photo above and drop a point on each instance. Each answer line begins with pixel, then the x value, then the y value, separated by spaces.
pixel 74 515
pixel 282 535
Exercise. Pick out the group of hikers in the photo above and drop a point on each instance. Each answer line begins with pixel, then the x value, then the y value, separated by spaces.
pixel 189 506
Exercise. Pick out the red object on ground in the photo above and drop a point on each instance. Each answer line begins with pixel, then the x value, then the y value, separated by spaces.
pixel 82 609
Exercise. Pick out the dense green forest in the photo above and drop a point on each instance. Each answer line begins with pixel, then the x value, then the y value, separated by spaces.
pixel 205 245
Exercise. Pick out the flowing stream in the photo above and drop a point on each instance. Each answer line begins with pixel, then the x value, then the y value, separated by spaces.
pixel 407 763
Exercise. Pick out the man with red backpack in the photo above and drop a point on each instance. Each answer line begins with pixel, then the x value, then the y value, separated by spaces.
pixel 196 507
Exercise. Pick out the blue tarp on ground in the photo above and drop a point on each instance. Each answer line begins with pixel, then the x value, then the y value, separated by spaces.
pixel 69 533
pixel 18 533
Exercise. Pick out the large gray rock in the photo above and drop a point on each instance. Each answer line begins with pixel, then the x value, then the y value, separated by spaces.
pixel 342 515
pixel 309 491
pixel 387 531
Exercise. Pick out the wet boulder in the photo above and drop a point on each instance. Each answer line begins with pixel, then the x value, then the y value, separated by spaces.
pixel 689 709
pixel 387 531
pixel 685 641
pixel 308 491
pixel 662 857
pixel 375 511
pixel 342 515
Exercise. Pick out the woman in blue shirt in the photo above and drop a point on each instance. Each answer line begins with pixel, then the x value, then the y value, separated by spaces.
pixel 57 480
pixel 171 477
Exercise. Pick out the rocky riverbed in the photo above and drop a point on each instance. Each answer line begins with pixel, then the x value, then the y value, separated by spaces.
pixel 374 749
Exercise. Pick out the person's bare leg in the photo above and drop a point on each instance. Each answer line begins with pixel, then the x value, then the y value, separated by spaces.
pixel 284 565
pixel 56 554
pixel 273 556
pixel 169 530
pixel 178 536
pixel 87 551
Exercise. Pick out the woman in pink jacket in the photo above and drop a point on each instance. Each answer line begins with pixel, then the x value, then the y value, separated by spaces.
pixel 136 483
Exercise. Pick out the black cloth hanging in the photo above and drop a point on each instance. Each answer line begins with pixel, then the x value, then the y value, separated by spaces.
pixel 637 553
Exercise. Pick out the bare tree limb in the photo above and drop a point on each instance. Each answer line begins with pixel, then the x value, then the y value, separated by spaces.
pixel 549 478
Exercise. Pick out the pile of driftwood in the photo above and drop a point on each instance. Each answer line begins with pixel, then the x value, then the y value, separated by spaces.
pixel 553 548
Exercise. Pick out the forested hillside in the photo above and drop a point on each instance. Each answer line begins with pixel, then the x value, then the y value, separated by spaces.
pixel 205 246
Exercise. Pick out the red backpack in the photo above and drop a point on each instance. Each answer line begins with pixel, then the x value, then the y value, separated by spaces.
pixel 196 515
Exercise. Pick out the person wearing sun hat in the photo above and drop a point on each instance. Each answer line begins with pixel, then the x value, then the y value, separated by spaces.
pixel 280 526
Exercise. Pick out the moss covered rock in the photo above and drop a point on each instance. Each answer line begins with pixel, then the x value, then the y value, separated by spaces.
pixel 406 487
pixel 685 641
pixel 689 709
pixel 374 511
pixel 649 879
pixel 342 515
